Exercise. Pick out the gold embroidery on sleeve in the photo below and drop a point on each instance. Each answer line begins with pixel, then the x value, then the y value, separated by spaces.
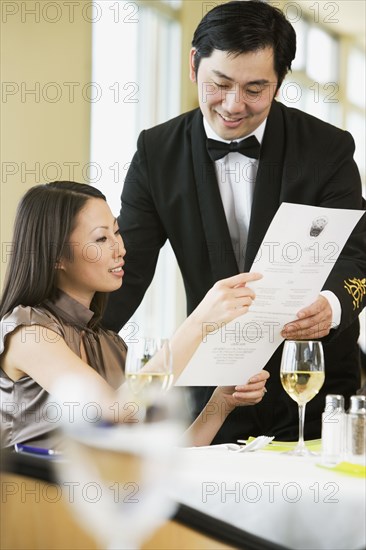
pixel 357 289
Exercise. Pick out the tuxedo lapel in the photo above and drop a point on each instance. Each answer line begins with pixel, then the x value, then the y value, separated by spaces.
pixel 266 198
pixel 220 249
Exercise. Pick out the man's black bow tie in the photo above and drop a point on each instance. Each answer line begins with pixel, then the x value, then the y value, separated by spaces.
pixel 249 147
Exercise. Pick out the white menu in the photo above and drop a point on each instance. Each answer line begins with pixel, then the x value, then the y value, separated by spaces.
pixel 295 258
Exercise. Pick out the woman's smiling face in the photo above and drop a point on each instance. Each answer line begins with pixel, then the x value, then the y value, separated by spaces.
pixel 93 258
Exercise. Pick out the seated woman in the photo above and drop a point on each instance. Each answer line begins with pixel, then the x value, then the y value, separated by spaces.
pixel 67 255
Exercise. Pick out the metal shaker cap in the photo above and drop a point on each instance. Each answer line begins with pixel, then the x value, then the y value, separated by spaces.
pixel 358 404
pixel 334 402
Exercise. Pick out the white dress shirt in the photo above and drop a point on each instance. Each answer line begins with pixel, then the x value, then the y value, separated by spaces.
pixel 236 175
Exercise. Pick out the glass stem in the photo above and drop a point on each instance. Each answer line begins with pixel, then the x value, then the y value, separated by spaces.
pixel 301 442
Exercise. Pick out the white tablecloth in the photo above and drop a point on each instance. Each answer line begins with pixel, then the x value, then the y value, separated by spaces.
pixel 288 500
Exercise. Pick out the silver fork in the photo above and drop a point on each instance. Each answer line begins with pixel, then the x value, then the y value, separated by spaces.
pixel 257 443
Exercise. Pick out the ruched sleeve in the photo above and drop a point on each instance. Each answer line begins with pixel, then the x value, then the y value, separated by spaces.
pixel 27 316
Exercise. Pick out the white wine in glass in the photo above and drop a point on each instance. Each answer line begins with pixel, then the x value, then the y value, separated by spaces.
pixel 302 376
pixel 149 369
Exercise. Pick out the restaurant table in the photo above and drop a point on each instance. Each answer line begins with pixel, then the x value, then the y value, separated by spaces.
pixel 295 502
pixel 289 500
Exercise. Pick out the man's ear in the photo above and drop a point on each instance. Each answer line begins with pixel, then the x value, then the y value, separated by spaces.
pixel 192 70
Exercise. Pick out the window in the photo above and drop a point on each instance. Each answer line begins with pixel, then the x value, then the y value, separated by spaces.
pixel 136 53
pixel 321 68
pixel 328 81
pixel 356 89
pixel 313 84
pixel 355 101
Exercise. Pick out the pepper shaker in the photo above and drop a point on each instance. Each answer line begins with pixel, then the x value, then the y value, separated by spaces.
pixel 356 429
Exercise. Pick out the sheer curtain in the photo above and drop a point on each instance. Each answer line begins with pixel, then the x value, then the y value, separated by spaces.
pixel 136 64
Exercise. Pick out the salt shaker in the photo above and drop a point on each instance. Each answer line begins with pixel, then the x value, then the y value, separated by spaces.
pixel 356 429
pixel 333 429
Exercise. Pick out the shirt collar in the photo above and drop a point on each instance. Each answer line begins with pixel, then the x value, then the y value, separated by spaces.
pixel 69 308
pixel 258 132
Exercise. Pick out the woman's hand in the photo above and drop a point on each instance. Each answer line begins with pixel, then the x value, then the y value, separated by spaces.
pixel 221 403
pixel 239 396
pixel 226 300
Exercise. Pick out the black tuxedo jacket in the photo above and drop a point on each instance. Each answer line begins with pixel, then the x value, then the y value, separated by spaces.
pixel 171 192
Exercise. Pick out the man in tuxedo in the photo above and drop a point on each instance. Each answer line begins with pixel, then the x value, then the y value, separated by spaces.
pixel 211 181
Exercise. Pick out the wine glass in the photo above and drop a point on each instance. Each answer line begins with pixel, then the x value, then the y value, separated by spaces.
pixel 149 369
pixel 302 376
pixel 120 477
pixel 120 473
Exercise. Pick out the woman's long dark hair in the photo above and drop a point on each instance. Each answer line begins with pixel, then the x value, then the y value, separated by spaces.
pixel 44 221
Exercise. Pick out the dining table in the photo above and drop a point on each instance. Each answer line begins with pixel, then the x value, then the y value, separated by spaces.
pixel 297 502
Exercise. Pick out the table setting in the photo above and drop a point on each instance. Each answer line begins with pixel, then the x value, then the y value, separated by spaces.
pixel 295 494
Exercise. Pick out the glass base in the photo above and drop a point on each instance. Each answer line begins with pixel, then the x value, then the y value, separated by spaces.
pixel 300 450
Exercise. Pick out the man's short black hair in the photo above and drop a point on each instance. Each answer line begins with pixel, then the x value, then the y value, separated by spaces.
pixel 245 26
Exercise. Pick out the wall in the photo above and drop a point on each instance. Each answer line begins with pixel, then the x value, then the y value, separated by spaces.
pixel 192 12
pixel 45 47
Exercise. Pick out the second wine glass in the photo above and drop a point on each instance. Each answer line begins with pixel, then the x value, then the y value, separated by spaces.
pixel 149 369
pixel 302 376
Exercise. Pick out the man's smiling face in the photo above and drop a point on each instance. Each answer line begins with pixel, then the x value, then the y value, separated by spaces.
pixel 235 92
